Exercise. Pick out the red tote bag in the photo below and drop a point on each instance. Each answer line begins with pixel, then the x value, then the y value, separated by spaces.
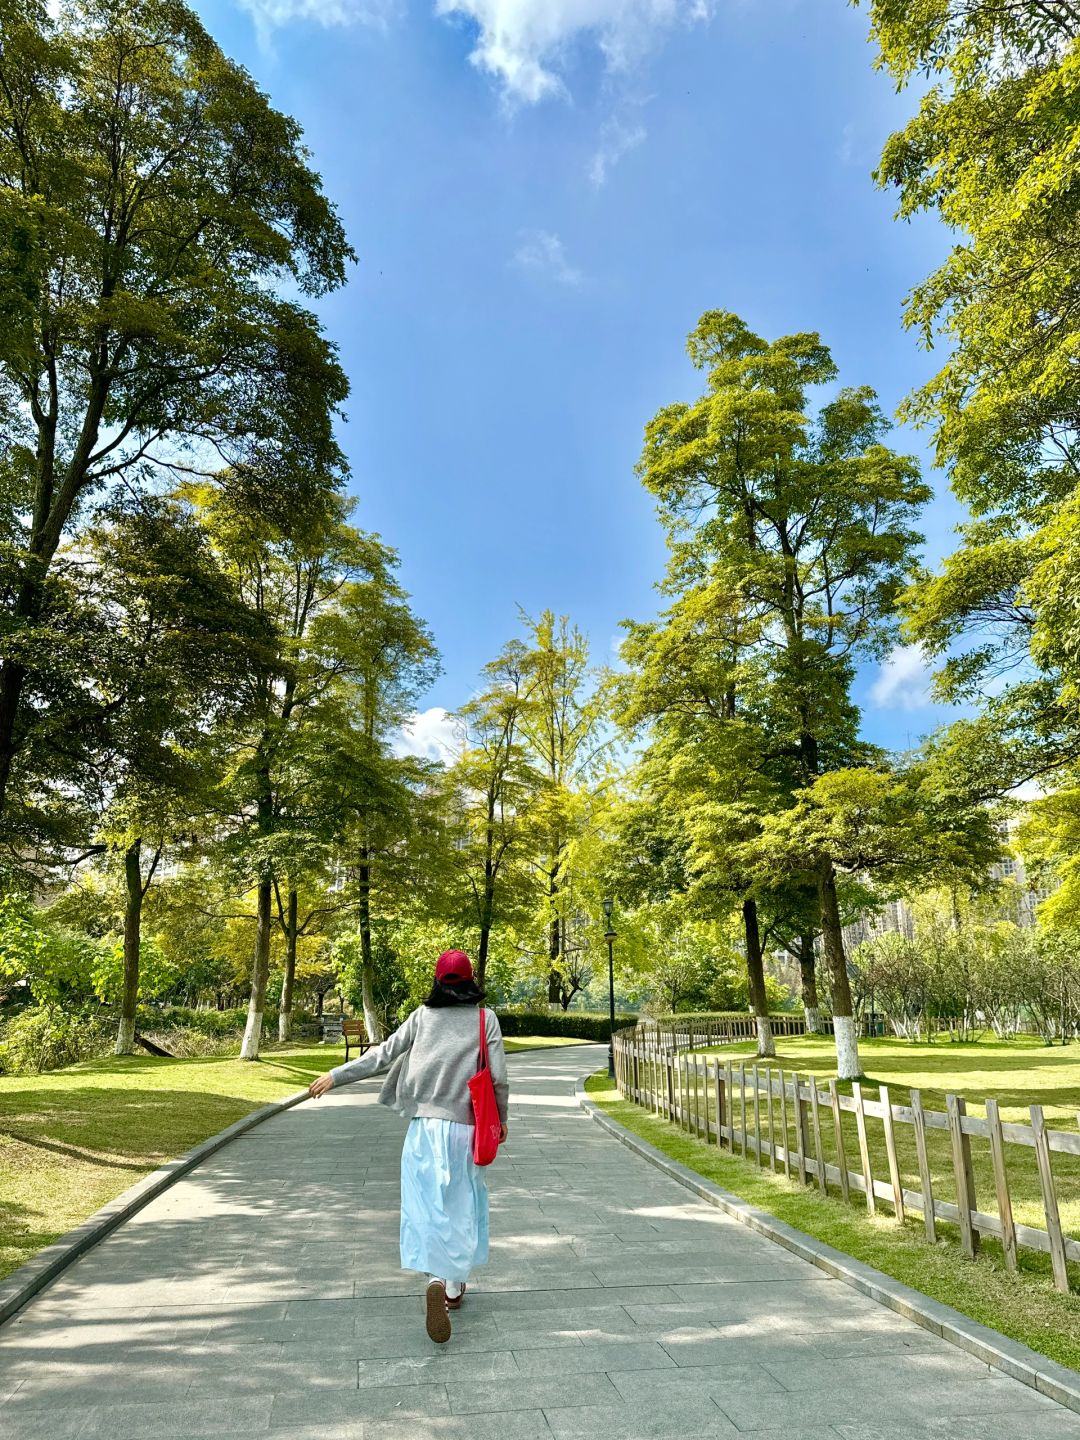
pixel 485 1108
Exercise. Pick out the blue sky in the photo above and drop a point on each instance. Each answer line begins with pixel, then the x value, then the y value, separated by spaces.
pixel 545 194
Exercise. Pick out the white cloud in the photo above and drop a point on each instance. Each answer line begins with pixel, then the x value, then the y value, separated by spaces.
pixel 523 44
pixel 616 140
pixel 543 252
pixel 903 682
pixel 270 14
pixel 430 734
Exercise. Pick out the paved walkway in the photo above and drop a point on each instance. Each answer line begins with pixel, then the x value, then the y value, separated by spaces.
pixel 261 1296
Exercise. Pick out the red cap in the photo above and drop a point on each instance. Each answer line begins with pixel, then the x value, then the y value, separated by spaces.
pixel 453 965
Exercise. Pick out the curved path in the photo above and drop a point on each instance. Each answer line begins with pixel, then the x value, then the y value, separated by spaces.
pixel 261 1296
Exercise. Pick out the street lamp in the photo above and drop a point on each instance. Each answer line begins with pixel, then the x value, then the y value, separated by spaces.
pixel 609 936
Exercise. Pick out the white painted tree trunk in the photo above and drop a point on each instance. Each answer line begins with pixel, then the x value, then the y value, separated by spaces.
pixel 766 1045
pixel 125 1036
pixel 813 1019
pixel 284 1025
pixel 249 1050
pixel 847 1047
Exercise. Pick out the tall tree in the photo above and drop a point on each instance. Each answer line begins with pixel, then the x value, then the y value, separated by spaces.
pixel 311 722
pixel 178 637
pixel 991 150
pixel 562 727
pixel 155 208
pixel 491 787
pixel 801 527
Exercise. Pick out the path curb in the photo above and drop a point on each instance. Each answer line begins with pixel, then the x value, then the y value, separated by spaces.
pixel 25 1282
pixel 1009 1356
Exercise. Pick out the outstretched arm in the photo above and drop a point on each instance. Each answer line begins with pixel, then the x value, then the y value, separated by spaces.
pixel 377 1059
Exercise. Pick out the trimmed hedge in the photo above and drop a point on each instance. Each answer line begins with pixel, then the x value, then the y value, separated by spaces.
pixel 682 1016
pixel 574 1024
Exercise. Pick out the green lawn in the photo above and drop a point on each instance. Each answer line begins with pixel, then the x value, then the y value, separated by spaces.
pixel 1022 1305
pixel 72 1140
pixel 1016 1074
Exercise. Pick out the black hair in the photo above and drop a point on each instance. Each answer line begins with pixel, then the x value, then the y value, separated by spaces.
pixel 461 992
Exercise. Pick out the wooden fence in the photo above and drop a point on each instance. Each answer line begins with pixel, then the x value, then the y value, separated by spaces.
pixel 784 1119
pixel 695 1031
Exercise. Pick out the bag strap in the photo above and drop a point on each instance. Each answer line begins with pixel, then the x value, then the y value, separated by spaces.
pixel 483 1041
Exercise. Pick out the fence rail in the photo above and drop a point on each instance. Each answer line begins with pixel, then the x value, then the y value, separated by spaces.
pixel 782 1119
pixel 694 1032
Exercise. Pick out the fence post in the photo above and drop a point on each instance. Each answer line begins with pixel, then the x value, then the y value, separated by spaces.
pixel 784 1124
pixel 925 1180
pixel 890 1150
pixel 718 1085
pixel 1050 1204
pixel 816 1114
pixel 1001 1184
pixel 801 1136
pixel 838 1132
pixel 742 1105
pixel 757 1116
pixel 864 1148
pixel 769 1110
pixel 669 1070
pixel 965 1177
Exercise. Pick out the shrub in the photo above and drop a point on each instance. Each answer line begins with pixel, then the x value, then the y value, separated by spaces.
pixel 215 1024
pixel 48 1038
pixel 574 1024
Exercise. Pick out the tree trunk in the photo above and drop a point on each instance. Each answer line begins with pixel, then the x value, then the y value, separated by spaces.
pixel 554 948
pixel 372 1022
pixel 285 1010
pixel 125 1039
pixel 755 971
pixel 848 1066
pixel 12 680
pixel 249 1049
pixel 808 978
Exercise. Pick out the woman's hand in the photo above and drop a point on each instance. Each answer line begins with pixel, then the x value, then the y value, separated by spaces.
pixel 320 1086
pixel 502 1134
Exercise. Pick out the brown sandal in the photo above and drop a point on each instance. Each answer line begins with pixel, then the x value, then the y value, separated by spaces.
pixel 455 1303
pixel 438 1319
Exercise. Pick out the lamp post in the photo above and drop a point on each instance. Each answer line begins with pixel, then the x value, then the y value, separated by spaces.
pixel 609 936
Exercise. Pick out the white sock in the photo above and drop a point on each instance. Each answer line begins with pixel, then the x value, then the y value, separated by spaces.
pixel 453 1290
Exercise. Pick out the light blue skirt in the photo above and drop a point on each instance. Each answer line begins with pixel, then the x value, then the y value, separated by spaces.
pixel 444 1201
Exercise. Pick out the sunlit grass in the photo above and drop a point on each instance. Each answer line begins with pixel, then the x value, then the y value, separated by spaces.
pixel 1016 1074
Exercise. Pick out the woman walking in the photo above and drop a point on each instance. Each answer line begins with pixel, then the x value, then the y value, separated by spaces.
pixel 444 1200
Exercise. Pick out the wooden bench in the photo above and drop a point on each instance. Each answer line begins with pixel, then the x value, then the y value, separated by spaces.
pixel 355 1037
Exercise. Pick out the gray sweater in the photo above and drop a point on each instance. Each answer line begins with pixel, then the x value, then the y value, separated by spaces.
pixel 431 1058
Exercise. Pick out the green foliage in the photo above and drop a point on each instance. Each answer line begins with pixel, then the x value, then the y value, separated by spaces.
pixel 48 1037
pixel 574 1024
pixel 158 976
pixel 162 225
pixel 49 964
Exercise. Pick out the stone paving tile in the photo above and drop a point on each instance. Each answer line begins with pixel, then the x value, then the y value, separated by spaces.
pixel 261 1296
pixel 595 1358
pixel 546 1394
pixel 915 1370
pixel 514 1425
pixel 377 1403
pixel 1041 1425
pixel 717 1381
pixel 41 1425
pixel 676 1421
pixel 243 1415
